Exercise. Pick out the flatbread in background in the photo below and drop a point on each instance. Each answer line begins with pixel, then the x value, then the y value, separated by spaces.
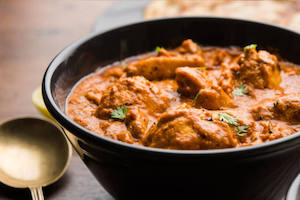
pixel 282 12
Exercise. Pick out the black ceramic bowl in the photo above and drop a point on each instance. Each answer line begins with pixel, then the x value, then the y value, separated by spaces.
pixel 133 172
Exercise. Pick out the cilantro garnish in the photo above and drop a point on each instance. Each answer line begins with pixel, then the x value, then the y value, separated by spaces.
pixel 158 48
pixel 242 130
pixel 241 90
pixel 229 119
pixel 119 113
pixel 233 121
pixel 251 46
pixel 124 64
pixel 196 97
pixel 201 68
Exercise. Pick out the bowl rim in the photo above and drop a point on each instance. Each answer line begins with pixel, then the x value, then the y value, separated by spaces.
pixel 82 132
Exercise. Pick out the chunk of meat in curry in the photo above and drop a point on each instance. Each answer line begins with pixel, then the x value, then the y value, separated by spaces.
pixel 191 98
pixel 189 129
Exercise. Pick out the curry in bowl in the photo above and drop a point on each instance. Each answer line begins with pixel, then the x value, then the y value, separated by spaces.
pixel 191 98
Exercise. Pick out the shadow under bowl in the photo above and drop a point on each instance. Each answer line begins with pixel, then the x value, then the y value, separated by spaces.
pixel 134 172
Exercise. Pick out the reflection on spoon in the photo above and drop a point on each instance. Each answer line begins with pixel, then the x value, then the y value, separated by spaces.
pixel 28 161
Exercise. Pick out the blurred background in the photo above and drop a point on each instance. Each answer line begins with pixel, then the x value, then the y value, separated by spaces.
pixel 32 32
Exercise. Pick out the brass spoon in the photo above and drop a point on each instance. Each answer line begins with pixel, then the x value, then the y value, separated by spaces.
pixel 33 153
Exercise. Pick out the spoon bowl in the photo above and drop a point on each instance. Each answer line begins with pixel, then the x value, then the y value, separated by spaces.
pixel 33 153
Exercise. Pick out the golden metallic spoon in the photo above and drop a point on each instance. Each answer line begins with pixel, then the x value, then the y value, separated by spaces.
pixel 33 153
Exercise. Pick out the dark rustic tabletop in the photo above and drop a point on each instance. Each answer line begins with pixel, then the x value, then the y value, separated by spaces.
pixel 32 32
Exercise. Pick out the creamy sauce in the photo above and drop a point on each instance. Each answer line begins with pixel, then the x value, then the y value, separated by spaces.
pixel 191 97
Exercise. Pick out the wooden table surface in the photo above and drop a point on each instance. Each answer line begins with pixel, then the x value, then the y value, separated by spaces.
pixel 32 32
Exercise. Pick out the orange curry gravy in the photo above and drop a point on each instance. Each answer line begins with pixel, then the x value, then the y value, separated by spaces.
pixel 191 97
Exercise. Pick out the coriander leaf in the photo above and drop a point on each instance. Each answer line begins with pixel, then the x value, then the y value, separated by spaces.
pixel 251 46
pixel 229 119
pixel 201 68
pixel 242 130
pixel 196 97
pixel 241 90
pixel 158 48
pixel 119 113
pixel 124 64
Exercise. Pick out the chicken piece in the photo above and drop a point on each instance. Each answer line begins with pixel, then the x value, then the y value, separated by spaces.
pixel 258 69
pixel 263 110
pixel 195 83
pixel 225 79
pixel 285 108
pixel 133 91
pixel 158 68
pixel 273 130
pixel 137 122
pixel 191 80
pixel 117 131
pixel 214 57
pixel 94 95
pixel 213 98
pixel 166 53
pixel 188 46
pixel 105 78
pixel 189 129
pixel 163 65
pixel 288 107
pixel 115 71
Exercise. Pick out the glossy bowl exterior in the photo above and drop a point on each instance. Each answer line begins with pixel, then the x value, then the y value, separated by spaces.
pixel 294 190
pixel 134 172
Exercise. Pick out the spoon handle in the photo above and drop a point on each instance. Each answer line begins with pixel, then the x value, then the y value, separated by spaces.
pixel 37 193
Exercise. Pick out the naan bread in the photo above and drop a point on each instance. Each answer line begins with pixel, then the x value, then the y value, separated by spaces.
pixel 282 12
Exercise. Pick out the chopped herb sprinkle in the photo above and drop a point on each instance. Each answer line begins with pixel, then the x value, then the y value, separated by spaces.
pixel 241 90
pixel 228 118
pixel 242 130
pixel 251 46
pixel 124 64
pixel 119 113
pixel 196 97
pixel 158 48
